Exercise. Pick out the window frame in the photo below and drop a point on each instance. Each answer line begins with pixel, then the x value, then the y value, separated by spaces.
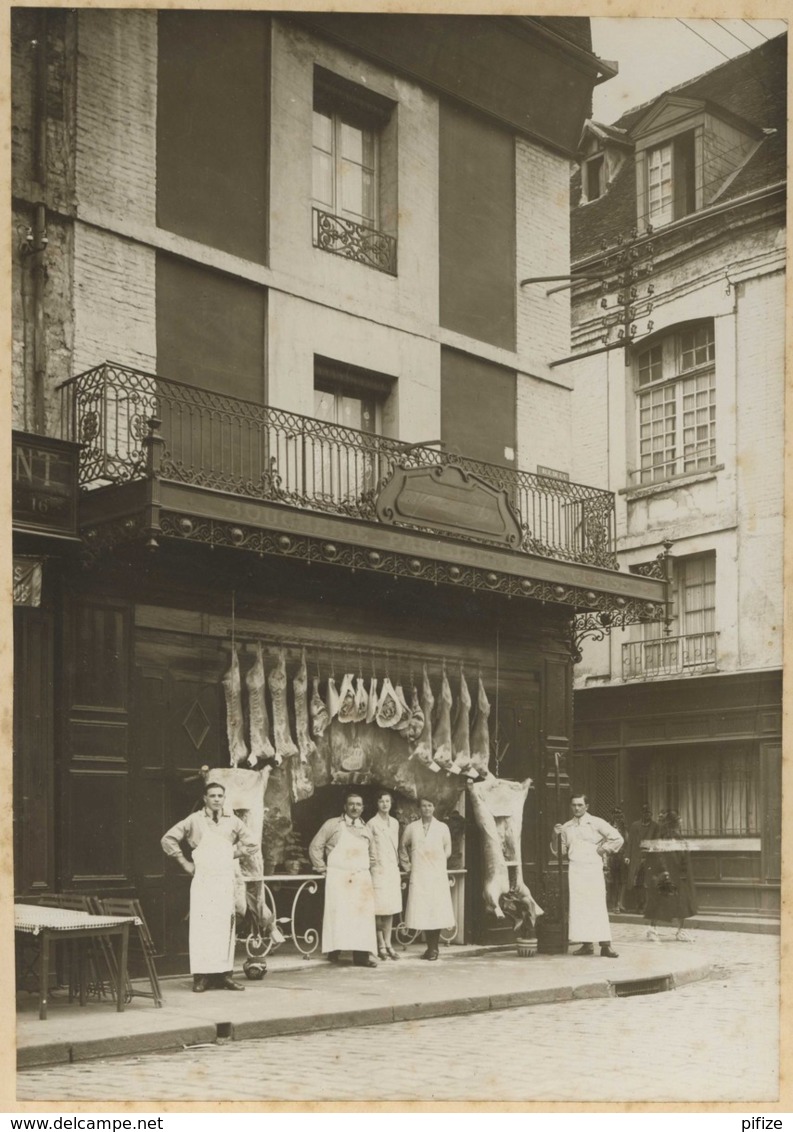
pixel 665 398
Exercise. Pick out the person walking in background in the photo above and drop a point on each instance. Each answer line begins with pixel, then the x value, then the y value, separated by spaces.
pixel 342 850
pixel 386 881
pixel 426 848
pixel 214 839
pixel 671 892
pixel 642 830
pixel 585 840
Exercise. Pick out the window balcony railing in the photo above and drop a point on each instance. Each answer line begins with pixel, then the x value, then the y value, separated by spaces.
pixel 225 444
pixel 347 238
pixel 669 656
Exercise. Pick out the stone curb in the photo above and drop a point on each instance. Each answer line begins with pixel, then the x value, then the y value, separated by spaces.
pixel 59 1053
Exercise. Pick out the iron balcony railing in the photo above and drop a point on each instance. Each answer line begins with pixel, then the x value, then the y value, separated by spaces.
pixel 669 656
pixel 352 240
pixel 225 444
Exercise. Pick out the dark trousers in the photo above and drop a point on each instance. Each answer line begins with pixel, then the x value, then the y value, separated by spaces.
pixel 433 939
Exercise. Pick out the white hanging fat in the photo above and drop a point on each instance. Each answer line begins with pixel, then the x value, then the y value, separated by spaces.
pixel 232 690
pixel 371 710
pixel 346 712
pixel 403 722
pixel 332 699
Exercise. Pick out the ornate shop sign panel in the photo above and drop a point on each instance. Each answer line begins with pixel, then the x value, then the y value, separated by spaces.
pixel 449 500
pixel 44 485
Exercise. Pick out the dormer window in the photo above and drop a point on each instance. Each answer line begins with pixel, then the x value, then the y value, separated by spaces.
pixel 595 177
pixel 687 152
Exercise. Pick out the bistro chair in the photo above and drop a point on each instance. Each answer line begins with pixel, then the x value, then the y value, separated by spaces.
pixel 121 906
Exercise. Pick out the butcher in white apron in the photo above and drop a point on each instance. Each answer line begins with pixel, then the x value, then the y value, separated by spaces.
pixel 342 850
pixel 215 840
pixel 426 848
pixel 585 840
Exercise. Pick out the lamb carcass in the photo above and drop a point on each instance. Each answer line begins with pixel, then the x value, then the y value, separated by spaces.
pixel 232 690
pixel 371 710
pixel 301 781
pixel 461 738
pixel 498 811
pixel 332 699
pixel 285 746
pixel 320 718
pixel 389 711
pixel 403 722
pixel 361 701
pixel 442 732
pixel 261 747
pixel 480 735
pixel 415 724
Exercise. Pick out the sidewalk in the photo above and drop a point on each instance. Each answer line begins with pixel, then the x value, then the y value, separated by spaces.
pixel 300 996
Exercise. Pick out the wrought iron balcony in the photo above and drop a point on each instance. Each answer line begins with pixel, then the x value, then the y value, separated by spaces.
pixel 669 656
pixel 354 241
pixel 224 444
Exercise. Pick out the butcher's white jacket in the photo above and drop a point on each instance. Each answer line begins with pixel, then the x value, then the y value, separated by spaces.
pixel 581 839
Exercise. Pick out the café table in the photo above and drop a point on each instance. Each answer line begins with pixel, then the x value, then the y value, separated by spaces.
pixel 52 925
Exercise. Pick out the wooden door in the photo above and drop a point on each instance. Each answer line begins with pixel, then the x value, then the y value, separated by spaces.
pixel 178 727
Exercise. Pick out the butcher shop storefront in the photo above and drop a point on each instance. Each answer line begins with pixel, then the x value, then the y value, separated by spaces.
pixel 423 643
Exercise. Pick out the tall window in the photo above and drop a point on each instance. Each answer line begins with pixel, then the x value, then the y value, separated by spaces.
pixel 690 644
pixel 351 145
pixel 716 793
pixel 595 177
pixel 670 180
pixel 676 394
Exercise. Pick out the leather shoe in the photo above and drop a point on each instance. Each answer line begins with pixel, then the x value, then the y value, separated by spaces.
pixel 584 949
pixel 200 983
pixel 608 952
pixel 334 956
pixel 227 983
pixel 368 962
pixel 432 955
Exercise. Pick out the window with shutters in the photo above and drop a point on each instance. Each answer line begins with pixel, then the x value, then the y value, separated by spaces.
pixel 675 386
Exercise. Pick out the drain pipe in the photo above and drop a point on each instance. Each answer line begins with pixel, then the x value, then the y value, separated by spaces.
pixel 37 239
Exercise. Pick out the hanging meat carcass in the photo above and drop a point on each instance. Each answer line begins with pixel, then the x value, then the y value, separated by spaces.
pixel 461 737
pixel 422 748
pixel 259 724
pixel 389 711
pixel 285 746
pixel 480 734
pixel 361 701
pixel 442 732
pixel 320 717
pixel 301 781
pixel 498 811
pixel 415 724
pixel 403 722
pixel 346 712
pixel 232 690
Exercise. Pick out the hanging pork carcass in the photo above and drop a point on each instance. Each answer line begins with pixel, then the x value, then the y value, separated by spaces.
pixel 480 733
pixel 301 780
pixel 497 806
pixel 258 721
pixel 442 732
pixel 461 736
pixel 285 746
pixel 235 728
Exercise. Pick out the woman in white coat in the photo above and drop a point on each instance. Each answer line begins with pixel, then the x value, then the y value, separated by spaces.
pixel 386 880
pixel 426 848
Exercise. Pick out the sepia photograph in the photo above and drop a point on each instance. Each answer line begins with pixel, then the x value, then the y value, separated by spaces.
pixel 397 456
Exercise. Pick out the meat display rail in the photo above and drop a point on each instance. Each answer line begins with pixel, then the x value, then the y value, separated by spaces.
pixel 223 443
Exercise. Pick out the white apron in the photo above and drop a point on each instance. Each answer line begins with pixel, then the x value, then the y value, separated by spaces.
pixel 348 921
pixel 212 933
pixel 429 904
pixel 589 918
pixel 386 880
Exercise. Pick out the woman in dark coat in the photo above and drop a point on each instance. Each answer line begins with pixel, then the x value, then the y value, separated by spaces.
pixel 671 895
